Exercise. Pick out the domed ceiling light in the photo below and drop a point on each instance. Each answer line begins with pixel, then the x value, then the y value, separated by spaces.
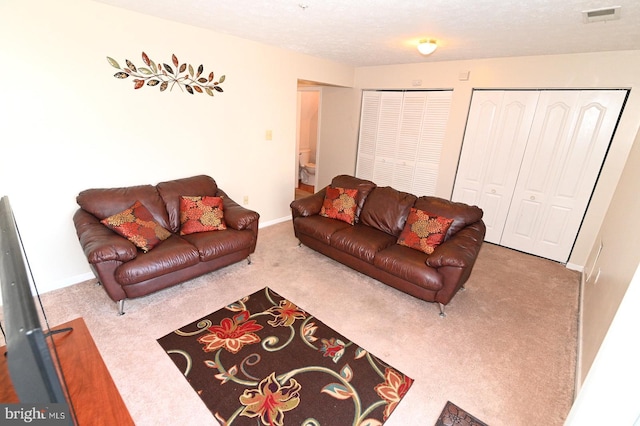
pixel 427 47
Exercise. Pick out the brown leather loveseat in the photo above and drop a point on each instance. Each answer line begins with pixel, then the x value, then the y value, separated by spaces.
pixel 391 239
pixel 129 267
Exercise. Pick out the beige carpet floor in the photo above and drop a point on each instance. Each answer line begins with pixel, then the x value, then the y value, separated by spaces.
pixel 505 353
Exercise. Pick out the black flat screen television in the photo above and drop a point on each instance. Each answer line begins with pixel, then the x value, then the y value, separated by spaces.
pixel 31 361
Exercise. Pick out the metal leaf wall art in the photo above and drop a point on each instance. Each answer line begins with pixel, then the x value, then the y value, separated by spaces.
pixel 167 76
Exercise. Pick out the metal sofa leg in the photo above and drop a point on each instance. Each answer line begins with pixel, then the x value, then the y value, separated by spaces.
pixel 248 260
pixel 442 314
pixel 120 307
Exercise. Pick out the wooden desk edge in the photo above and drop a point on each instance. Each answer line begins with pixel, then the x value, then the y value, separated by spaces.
pixel 94 396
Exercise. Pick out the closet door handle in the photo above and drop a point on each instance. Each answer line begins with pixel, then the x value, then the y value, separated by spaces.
pixel 493 191
pixel 533 197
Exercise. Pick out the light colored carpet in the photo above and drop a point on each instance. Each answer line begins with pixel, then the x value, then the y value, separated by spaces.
pixel 505 353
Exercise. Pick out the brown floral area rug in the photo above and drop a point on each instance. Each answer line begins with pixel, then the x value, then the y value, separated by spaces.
pixel 263 360
pixel 452 415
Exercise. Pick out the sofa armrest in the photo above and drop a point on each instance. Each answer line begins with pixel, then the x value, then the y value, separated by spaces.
pixel 99 243
pixel 308 206
pixel 461 250
pixel 236 216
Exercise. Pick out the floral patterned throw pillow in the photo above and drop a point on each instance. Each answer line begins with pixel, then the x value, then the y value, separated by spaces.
pixel 137 225
pixel 424 231
pixel 340 203
pixel 201 214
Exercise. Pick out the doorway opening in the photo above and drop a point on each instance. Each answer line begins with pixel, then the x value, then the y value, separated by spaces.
pixel 307 130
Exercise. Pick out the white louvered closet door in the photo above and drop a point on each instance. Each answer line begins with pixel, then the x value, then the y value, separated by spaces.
pixel 387 137
pixel 401 137
pixel 430 143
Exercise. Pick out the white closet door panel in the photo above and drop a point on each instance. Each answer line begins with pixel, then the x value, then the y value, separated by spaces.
pixel 553 228
pixel 548 143
pixel 365 167
pixel 370 112
pixel 434 126
pixel 494 142
pixel 383 171
pixel 387 137
pixel 369 123
pixel 569 139
pixel 425 180
pixel 388 124
pixel 410 125
pixel 523 222
pixel 403 176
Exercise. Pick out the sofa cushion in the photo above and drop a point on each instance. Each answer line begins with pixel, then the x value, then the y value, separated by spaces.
pixel 172 255
pixel 172 190
pixel 214 244
pixel 424 231
pixel 137 225
pixel 340 203
pixel 201 214
pixel 106 202
pixel 386 209
pixel 319 227
pixel 363 186
pixel 462 214
pixel 361 241
pixel 409 265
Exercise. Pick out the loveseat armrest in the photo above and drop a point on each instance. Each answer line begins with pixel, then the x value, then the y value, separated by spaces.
pixel 308 206
pixel 99 243
pixel 461 250
pixel 236 216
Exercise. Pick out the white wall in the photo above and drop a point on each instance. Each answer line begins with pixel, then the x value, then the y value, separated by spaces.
pixel 339 118
pixel 610 392
pixel 610 269
pixel 309 100
pixel 68 124
pixel 593 70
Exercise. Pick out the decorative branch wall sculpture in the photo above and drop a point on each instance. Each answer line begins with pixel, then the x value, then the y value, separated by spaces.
pixel 165 75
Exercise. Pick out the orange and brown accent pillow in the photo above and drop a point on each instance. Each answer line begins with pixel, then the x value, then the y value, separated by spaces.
pixel 137 225
pixel 340 203
pixel 424 231
pixel 201 214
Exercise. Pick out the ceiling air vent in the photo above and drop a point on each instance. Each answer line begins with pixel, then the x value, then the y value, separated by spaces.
pixel 605 14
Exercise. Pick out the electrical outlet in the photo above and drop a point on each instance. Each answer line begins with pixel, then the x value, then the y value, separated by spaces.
pixel 245 200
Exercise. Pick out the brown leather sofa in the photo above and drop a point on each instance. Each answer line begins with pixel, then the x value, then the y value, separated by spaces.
pixel 127 272
pixel 370 245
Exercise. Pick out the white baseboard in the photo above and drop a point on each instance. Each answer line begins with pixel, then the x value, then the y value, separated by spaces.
pixel 75 279
pixel 574 267
pixel 274 222
pixel 578 371
pixel 66 282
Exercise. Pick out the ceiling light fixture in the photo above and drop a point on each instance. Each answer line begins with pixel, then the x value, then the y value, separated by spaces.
pixel 427 47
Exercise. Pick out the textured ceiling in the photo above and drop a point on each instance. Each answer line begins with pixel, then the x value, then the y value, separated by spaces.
pixel 382 32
